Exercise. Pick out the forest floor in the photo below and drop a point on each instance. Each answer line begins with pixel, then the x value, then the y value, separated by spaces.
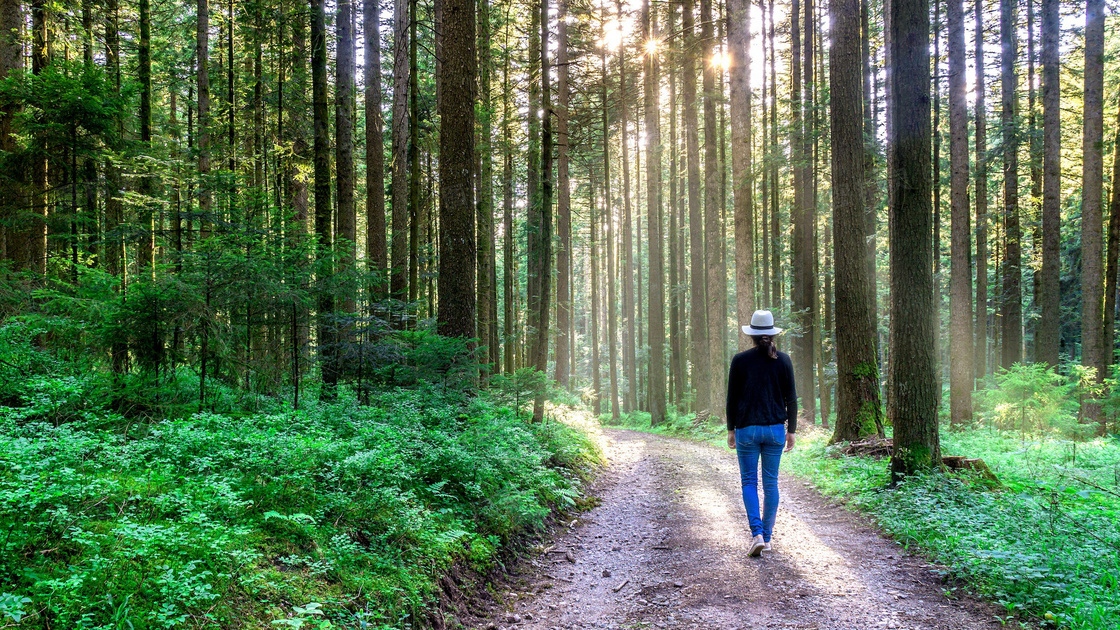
pixel 667 548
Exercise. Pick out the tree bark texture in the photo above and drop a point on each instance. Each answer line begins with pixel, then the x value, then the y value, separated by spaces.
pixel 1093 352
pixel 346 228
pixel 739 71
pixel 1048 334
pixel 701 375
pixel 980 347
pixel 657 385
pixel 398 264
pixel 858 408
pixel 960 280
pixel 1012 302
pixel 376 246
pixel 912 380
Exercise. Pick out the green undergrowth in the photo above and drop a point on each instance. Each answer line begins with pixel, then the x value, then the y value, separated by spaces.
pixel 1045 544
pixel 341 515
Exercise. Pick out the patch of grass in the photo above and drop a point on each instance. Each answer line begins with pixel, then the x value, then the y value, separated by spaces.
pixel 1045 545
pixel 341 513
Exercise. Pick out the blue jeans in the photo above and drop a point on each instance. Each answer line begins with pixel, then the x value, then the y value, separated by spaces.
pixel 751 443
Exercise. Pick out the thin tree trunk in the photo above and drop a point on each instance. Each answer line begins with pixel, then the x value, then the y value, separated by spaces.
pixel 981 185
pixel 146 257
pixel 629 312
pixel 655 227
pixel 114 201
pixel 414 209
pixel 346 227
pixel 12 240
pixel 739 69
pixel 596 359
pixel 701 366
pixel 612 311
pixel 1012 307
pixel 326 337
pixel 676 366
pixel 487 305
pixel 713 226
pixel 1035 220
pixel 1093 352
pixel 960 280
pixel 540 226
pixel 375 150
pixel 563 202
pixel 1113 254
pixel 804 284
pixel 398 285
pixel 1048 332
pixel 509 295
pixel 776 293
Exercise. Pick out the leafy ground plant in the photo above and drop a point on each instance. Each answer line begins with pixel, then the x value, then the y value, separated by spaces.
pixel 1045 545
pixel 222 520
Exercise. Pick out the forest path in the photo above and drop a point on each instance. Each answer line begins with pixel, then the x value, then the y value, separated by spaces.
pixel 667 548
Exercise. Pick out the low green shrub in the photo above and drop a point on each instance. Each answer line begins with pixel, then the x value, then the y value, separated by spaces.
pixel 1046 544
pixel 227 520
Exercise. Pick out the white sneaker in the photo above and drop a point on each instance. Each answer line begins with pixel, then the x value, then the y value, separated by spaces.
pixel 757 545
pixel 766 547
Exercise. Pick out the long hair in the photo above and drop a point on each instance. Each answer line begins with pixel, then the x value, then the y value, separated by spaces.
pixel 767 344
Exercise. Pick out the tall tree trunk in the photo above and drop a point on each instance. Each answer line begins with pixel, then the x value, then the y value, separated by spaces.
pixel 858 409
pixel 629 311
pixel 776 293
pixel 912 380
pixel 701 366
pixel 1048 333
pixel 1012 307
pixel 803 290
pixel 563 202
pixel 540 225
pixel 114 195
pixel 487 275
pixel 35 241
pixel 414 209
pixel 456 316
pixel 346 234
pixel 326 324
pixel 612 311
pixel 398 264
pixel 12 239
pixel 146 257
pixel 1111 268
pixel 509 293
pixel 960 280
pixel 1035 220
pixel 654 212
pixel 596 359
pixel 1093 353
pixel 739 70
pixel 376 245
pixel 713 226
pixel 676 367
pixel 981 184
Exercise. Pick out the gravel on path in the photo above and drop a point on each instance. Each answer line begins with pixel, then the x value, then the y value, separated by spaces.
pixel 667 548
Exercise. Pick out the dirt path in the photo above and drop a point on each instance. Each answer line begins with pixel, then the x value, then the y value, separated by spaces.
pixel 667 548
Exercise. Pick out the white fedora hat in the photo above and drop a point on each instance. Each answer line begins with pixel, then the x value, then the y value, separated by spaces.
pixel 762 323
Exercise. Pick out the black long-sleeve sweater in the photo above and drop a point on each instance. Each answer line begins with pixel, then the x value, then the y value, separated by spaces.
pixel 760 391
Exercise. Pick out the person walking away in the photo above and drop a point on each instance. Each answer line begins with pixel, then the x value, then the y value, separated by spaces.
pixel 761 418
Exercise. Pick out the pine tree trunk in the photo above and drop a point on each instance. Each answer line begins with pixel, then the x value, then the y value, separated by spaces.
pixel 655 226
pixel 414 209
pixel 629 312
pixel 596 359
pixel 346 227
pixel 1111 268
pixel 981 185
pixel 676 365
pixel 376 245
pixel 960 280
pixel 12 239
pixel 612 311
pixel 803 291
pixel 487 305
pixel 509 293
pixel 1012 302
pixel 114 195
pixel 739 69
pixel 912 380
pixel 1048 332
pixel 1093 352
pixel 456 316
pixel 540 225
pixel 858 409
pixel 776 292
pixel 398 264
pixel 326 336
pixel 563 202
pixel 701 376
pixel 146 253
pixel 713 226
